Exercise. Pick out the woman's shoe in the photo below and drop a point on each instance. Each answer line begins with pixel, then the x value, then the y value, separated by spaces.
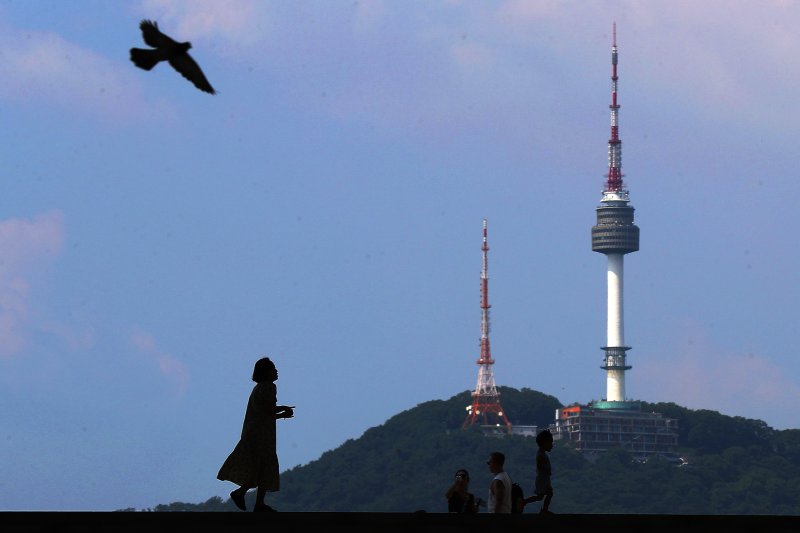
pixel 264 509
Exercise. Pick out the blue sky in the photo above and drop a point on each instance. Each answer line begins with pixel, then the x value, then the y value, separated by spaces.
pixel 325 208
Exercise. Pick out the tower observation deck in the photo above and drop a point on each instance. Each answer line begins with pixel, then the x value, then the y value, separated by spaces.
pixel 615 235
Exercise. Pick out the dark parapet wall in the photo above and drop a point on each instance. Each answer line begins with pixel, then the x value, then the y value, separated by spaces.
pixel 421 522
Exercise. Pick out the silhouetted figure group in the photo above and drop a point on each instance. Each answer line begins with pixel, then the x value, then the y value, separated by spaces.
pixel 460 500
pixel 253 463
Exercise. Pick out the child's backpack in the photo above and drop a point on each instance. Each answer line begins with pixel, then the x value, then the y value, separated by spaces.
pixel 516 498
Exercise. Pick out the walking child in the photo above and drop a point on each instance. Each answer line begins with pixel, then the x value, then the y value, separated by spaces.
pixel 543 489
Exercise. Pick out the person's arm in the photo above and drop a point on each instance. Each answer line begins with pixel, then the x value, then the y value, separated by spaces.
pixel 499 491
pixel 454 487
pixel 475 502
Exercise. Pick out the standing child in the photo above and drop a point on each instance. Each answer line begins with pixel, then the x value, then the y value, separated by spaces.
pixel 543 489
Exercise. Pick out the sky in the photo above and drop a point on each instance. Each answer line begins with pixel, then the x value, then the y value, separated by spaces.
pixel 325 208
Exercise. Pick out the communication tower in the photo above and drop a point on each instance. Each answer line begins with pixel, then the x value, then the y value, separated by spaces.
pixel 615 421
pixel 615 235
pixel 485 408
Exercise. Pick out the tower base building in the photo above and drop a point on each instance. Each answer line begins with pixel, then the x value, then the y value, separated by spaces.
pixel 602 425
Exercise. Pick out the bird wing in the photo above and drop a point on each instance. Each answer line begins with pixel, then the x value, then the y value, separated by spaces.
pixel 190 70
pixel 153 36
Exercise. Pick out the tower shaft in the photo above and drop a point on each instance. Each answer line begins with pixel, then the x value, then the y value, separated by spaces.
pixel 485 408
pixel 615 235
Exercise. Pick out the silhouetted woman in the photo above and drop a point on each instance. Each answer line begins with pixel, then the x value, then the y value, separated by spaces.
pixel 459 498
pixel 254 460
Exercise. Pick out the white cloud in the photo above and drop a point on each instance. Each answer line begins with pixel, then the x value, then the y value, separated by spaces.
pixel 736 64
pixel 170 367
pixel 697 374
pixel 44 67
pixel 369 13
pixel 240 23
pixel 729 59
pixel 26 248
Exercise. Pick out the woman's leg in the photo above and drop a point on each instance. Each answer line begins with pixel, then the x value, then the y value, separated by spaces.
pixel 237 496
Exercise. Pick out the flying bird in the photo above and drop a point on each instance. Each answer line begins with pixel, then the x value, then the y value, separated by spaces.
pixel 171 51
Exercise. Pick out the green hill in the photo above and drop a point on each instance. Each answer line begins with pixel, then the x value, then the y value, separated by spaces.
pixel 736 466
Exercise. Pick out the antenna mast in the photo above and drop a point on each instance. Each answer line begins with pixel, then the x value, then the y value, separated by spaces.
pixel 614 182
pixel 485 407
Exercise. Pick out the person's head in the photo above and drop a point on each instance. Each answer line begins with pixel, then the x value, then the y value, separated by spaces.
pixel 264 370
pixel 496 462
pixel 544 439
pixel 462 475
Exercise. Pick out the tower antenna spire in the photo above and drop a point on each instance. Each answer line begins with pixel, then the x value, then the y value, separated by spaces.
pixel 614 176
pixel 485 407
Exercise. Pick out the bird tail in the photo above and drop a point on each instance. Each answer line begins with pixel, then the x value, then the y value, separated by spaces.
pixel 145 59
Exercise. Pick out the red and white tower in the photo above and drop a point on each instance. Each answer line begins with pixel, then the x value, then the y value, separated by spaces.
pixel 615 235
pixel 485 408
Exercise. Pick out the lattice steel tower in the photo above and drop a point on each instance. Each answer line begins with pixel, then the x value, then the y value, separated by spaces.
pixel 485 408
pixel 615 235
